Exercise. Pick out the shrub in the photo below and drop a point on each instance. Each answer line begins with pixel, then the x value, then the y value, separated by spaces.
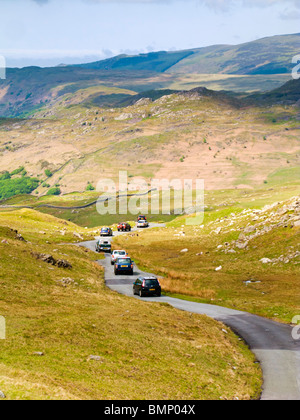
pixel 4 176
pixel 54 191
pixel 21 169
pixel 48 173
pixel 90 187
pixel 10 187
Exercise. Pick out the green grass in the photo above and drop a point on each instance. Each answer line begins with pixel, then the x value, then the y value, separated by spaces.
pixel 16 183
pixel 193 274
pixel 175 355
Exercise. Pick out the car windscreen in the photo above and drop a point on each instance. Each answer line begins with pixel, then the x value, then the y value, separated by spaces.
pixel 124 261
pixel 151 283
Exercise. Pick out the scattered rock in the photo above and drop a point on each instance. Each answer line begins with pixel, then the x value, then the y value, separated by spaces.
pixel 250 229
pixel 19 237
pixel 266 260
pixel 38 353
pixel 2 395
pixel 251 282
pixel 63 264
pixel 242 245
pixel 218 268
pixel 66 281
pixel 95 358
pixel 184 250
pixel 124 117
pixel 47 258
pixel 77 235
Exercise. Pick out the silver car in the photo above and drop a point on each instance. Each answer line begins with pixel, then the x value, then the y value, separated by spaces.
pixel 117 254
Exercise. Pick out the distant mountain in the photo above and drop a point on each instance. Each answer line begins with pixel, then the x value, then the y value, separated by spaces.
pixel 155 61
pixel 288 94
pixel 113 82
pixel 271 55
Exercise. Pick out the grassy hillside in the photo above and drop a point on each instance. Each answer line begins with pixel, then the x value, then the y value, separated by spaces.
pixel 154 61
pixel 245 256
pixel 271 55
pixel 229 141
pixel 110 82
pixel 289 93
pixel 69 337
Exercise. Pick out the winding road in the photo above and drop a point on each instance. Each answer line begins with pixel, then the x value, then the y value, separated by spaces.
pixel 271 342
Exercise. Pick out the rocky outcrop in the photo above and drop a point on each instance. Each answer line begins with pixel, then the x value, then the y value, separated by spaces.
pixel 49 259
pixel 261 222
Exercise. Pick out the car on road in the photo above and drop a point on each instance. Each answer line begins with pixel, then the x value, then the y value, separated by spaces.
pixel 141 217
pixel 117 254
pixel 106 231
pixel 142 224
pixel 124 227
pixel 124 265
pixel 147 286
pixel 103 246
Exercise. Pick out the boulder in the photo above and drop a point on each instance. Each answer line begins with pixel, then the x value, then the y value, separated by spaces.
pixel 242 245
pixel 266 260
pixel 63 264
pixel 47 258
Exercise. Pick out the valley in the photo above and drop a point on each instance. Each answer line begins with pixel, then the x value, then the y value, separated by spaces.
pixel 228 115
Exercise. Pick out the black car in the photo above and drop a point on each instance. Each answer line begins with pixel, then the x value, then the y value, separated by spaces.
pixel 146 286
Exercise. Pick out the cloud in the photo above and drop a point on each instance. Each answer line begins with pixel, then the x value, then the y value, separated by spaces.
pixel 224 5
pixel 214 4
pixel 41 2
pixel 290 15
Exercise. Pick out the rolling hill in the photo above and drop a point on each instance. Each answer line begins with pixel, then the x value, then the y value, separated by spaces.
pixel 230 141
pixel 271 55
pixel 255 66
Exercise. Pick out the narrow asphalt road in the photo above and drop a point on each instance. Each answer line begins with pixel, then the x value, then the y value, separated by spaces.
pixel 271 342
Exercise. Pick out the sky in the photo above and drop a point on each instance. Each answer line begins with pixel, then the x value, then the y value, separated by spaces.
pixel 51 32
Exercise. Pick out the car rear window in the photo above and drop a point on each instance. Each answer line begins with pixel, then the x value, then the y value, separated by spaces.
pixel 151 283
pixel 124 260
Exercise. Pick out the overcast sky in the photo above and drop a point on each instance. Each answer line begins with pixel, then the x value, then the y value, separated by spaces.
pixel 50 32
